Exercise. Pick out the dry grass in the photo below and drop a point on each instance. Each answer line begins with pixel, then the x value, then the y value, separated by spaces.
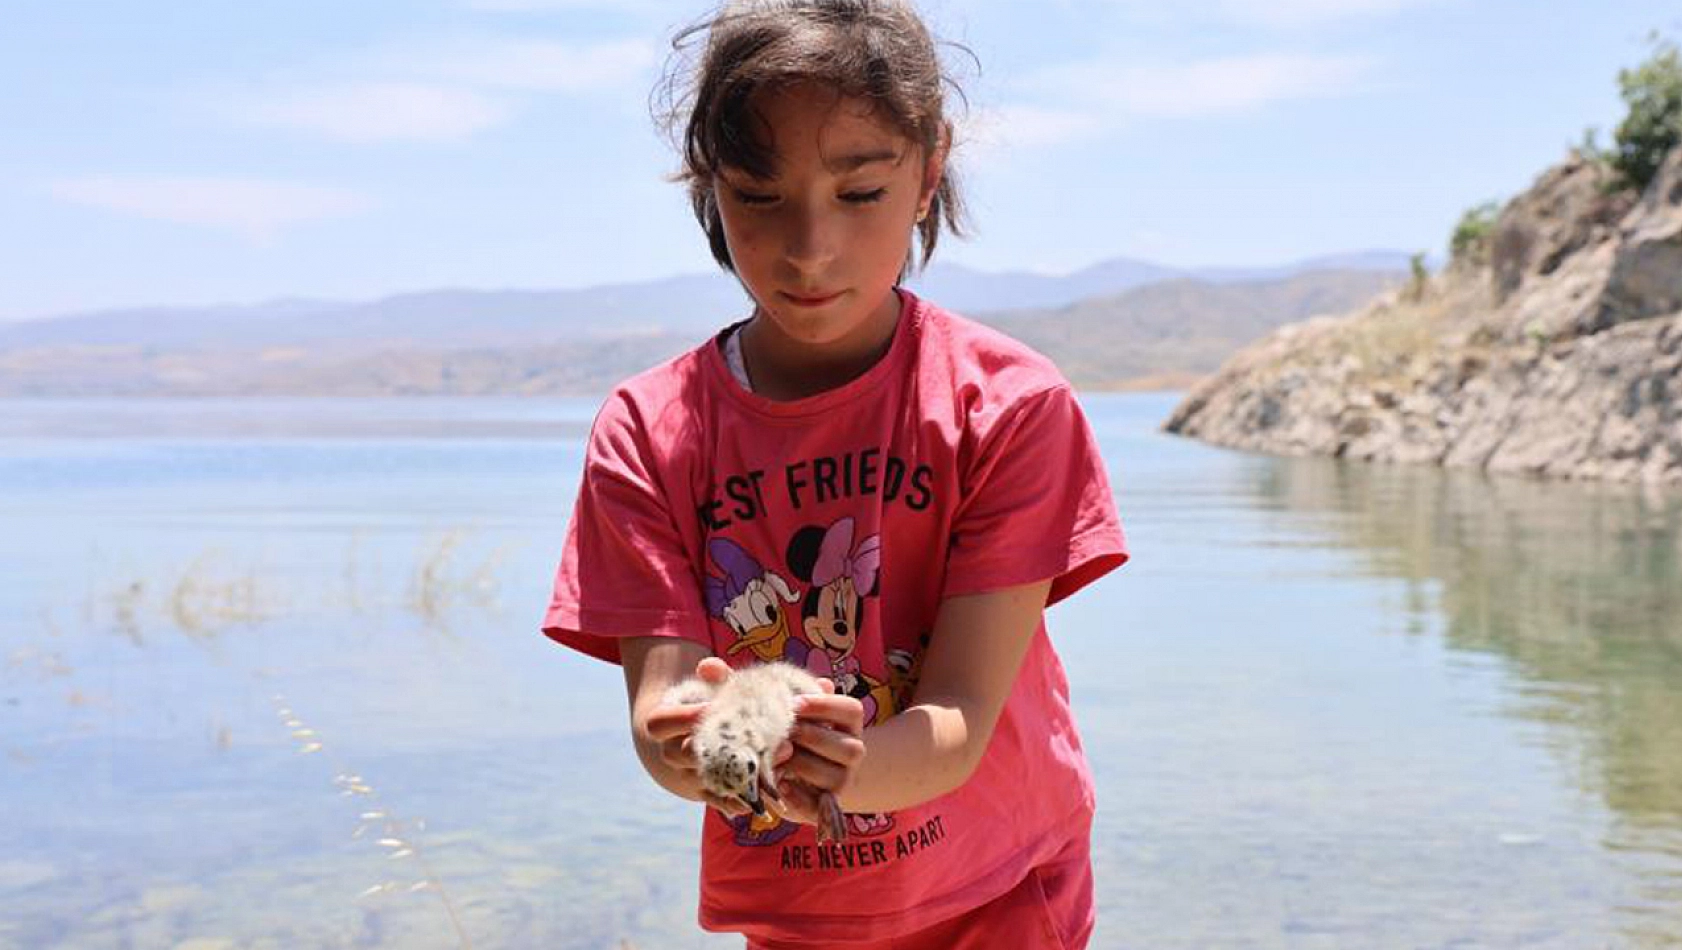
pixel 379 824
pixel 1402 333
pixel 439 584
pixel 214 593
pixel 203 604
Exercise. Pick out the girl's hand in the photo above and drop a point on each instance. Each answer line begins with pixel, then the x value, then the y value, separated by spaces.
pixel 671 725
pixel 824 752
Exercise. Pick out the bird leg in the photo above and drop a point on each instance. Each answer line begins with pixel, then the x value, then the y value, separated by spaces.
pixel 832 824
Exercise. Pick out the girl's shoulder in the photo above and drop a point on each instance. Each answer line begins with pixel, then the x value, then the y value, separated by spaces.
pixel 652 407
pixel 988 370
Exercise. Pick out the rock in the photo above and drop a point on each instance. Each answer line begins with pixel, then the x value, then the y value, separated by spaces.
pixel 1562 357
pixel 1567 208
pixel 1646 275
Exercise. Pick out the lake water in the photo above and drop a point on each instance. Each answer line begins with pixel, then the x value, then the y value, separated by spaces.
pixel 270 677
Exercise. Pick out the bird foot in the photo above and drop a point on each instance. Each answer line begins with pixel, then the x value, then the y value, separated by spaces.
pixel 832 824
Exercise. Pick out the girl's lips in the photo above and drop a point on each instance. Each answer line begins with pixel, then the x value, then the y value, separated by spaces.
pixel 801 301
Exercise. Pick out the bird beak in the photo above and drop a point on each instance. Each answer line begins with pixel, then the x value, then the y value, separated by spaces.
pixel 750 798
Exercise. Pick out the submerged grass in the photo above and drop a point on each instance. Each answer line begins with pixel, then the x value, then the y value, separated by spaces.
pixel 377 820
pixel 439 584
pixel 213 594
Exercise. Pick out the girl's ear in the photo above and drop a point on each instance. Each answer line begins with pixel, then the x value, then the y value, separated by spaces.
pixel 934 168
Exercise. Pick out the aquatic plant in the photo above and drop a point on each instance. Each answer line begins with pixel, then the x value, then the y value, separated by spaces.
pixel 378 821
pixel 213 593
pixel 438 585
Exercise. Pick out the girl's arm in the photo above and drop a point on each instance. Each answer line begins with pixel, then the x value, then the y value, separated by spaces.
pixel 660 732
pixel 933 746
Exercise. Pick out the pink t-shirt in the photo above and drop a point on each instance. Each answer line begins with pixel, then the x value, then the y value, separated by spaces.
pixel 825 531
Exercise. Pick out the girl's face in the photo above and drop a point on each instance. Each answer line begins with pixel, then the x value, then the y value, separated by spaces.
pixel 821 243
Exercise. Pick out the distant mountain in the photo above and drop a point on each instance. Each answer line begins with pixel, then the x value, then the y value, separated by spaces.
pixel 687 305
pixel 1161 334
pixel 971 291
pixel 1388 261
pixel 1169 333
pixel 439 318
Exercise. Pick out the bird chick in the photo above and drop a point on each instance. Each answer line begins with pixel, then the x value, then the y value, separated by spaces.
pixel 748 716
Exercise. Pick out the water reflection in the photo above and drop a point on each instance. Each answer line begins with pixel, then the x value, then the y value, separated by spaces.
pixel 429 772
pixel 1577 590
pixel 1274 770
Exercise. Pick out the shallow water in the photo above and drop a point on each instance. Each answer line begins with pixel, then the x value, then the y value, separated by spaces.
pixel 1327 705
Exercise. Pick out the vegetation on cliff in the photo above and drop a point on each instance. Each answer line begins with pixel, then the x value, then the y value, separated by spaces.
pixel 1551 344
pixel 1653 125
pixel 1650 130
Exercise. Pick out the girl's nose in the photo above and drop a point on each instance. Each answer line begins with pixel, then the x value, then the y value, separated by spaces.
pixel 808 243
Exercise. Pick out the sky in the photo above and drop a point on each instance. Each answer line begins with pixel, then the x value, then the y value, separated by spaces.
pixel 171 153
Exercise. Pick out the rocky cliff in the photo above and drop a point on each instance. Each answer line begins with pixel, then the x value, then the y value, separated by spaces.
pixel 1555 350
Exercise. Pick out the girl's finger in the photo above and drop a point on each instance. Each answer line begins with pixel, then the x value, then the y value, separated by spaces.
pixel 816 771
pixel 673 721
pixel 712 670
pixel 678 754
pixel 841 712
pixel 800 803
pixel 728 807
pixel 841 748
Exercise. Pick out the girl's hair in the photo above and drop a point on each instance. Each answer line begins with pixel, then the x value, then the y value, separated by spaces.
pixel 875 50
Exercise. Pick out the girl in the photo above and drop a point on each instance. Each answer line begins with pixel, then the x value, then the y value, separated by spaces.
pixel 859 482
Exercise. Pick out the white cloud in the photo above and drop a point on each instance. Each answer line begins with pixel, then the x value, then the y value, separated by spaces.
pixel 1208 87
pixel 1312 12
pixel 430 89
pixel 365 112
pixel 1100 96
pixel 514 63
pixel 1265 13
pixel 256 209
pixel 990 131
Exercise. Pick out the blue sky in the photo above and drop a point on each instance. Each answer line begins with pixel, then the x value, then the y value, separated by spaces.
pixel 175 153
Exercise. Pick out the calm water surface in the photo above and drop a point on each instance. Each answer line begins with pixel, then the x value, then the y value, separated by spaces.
pixel 269 677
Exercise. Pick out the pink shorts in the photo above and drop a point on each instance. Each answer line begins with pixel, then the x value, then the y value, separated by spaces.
pixel 1051 909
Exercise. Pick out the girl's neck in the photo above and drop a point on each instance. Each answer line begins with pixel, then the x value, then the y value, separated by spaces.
pixel 785 369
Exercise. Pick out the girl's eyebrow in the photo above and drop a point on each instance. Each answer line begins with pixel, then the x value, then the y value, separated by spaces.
pixel 840 164
pixel 857 160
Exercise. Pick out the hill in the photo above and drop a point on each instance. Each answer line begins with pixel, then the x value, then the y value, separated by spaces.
pixel 1130 331
pixel 1556 352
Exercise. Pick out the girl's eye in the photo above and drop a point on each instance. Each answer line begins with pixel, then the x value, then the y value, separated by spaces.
pixel 864 197
pixel 748 198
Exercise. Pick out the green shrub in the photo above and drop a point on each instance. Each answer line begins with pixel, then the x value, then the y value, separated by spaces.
pixel 1419 277
pixel 1471 235
pixel 1653 92
pixel 1588 148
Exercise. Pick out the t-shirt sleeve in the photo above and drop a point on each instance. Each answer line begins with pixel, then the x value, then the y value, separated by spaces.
pixel 625 571
pixel 1036 504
